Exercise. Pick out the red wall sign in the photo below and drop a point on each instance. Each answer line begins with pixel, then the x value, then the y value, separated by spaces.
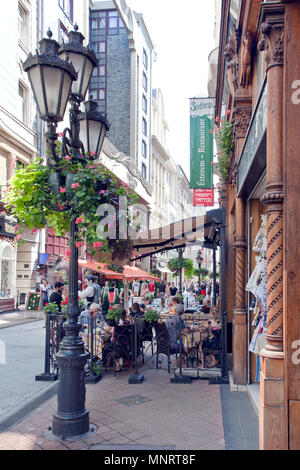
pixel 204 197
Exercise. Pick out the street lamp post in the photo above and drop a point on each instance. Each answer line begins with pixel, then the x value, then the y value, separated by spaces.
pixel 199 260
pixel 180 256
pixel 55 82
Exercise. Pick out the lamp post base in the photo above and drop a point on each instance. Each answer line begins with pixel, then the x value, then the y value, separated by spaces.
pixel 136 379
pixel 65 425
pixel 50 436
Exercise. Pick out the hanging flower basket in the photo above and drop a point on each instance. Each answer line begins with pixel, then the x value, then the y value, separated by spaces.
pixel 39 197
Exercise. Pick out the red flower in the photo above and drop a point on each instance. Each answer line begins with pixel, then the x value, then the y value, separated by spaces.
pixel 217 119
pixel 228 112
pixel 211 131
pixel 46 305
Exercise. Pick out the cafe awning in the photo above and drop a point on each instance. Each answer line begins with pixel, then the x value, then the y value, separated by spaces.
pixel 131 273
pixel 100 268
pixel 201 230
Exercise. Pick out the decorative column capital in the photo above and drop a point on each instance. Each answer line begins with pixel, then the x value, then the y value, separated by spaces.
pixel 271 26
pixel 273 197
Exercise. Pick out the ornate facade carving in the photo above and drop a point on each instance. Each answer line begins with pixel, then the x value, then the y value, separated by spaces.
pixel 272 43
pixel 246 58
pixel 242 118
pixel 231 56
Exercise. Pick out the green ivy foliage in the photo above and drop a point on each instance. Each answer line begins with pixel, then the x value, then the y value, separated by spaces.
pixel 224 139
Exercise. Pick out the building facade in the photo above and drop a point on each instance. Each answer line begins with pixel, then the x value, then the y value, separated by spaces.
pixel 19 143
pixel 122 83
pixel 259 86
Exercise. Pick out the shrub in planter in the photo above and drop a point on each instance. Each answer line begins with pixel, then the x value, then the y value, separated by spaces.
pixel 51 308
pixel 151 316
pixel 114 313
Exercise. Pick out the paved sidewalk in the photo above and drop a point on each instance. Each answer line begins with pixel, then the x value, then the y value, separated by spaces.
pixel 19 318
pixel 21 358
pixel 155 414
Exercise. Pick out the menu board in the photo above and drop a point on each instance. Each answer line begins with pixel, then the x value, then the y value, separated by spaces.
pixel 34 301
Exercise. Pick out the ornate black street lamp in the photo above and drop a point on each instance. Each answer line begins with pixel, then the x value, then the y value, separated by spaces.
pixel 199 260
pixel 55 82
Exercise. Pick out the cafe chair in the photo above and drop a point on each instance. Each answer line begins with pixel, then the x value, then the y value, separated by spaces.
pixel 163 345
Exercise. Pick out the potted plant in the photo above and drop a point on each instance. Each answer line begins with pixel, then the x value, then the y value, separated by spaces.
pixel 51 308
pixel 114 313
pixel 151 316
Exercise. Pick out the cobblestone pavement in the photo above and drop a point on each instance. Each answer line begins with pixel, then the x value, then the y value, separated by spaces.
pixel 155 413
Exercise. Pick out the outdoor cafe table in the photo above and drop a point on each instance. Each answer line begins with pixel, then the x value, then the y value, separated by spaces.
pixel 98 343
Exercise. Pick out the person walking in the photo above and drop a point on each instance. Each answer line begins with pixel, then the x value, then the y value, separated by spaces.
pixel 88 294
pixel 173 289
pixel 45 291
pixel 161 291
pixel 57 296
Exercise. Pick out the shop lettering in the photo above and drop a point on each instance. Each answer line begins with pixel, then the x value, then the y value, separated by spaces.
pixel 296 354
pixel 296 94
pixel 196 106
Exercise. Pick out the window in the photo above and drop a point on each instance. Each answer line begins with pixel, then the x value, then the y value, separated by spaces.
pixel 102 47
pixel 144 170
pixel 22 25
pixel 144 127
pixel 144 149
pixel 63 33
pixel 67 7
pixel 145 82
pixel 102 94
pixel 145 59
pixel 102 71
pixel 145 104
pixel 22 103
pixel 113 22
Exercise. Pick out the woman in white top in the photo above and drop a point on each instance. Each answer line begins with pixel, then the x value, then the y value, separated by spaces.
pixel 89 293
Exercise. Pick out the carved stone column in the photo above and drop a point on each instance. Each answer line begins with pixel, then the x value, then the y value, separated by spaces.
pixel 272 411
pixel 240 312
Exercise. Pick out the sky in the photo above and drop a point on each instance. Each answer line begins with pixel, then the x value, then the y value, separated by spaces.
pixel 182 33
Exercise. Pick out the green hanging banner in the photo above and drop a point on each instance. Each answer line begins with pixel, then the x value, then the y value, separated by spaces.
pixel 202 142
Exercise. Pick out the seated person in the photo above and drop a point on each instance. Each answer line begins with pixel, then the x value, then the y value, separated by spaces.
pixel 176 306
pixel 146 301
pixel 206 305
pixel 136 310
pixel 93 311
pixel 125 319
pixel 174 324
